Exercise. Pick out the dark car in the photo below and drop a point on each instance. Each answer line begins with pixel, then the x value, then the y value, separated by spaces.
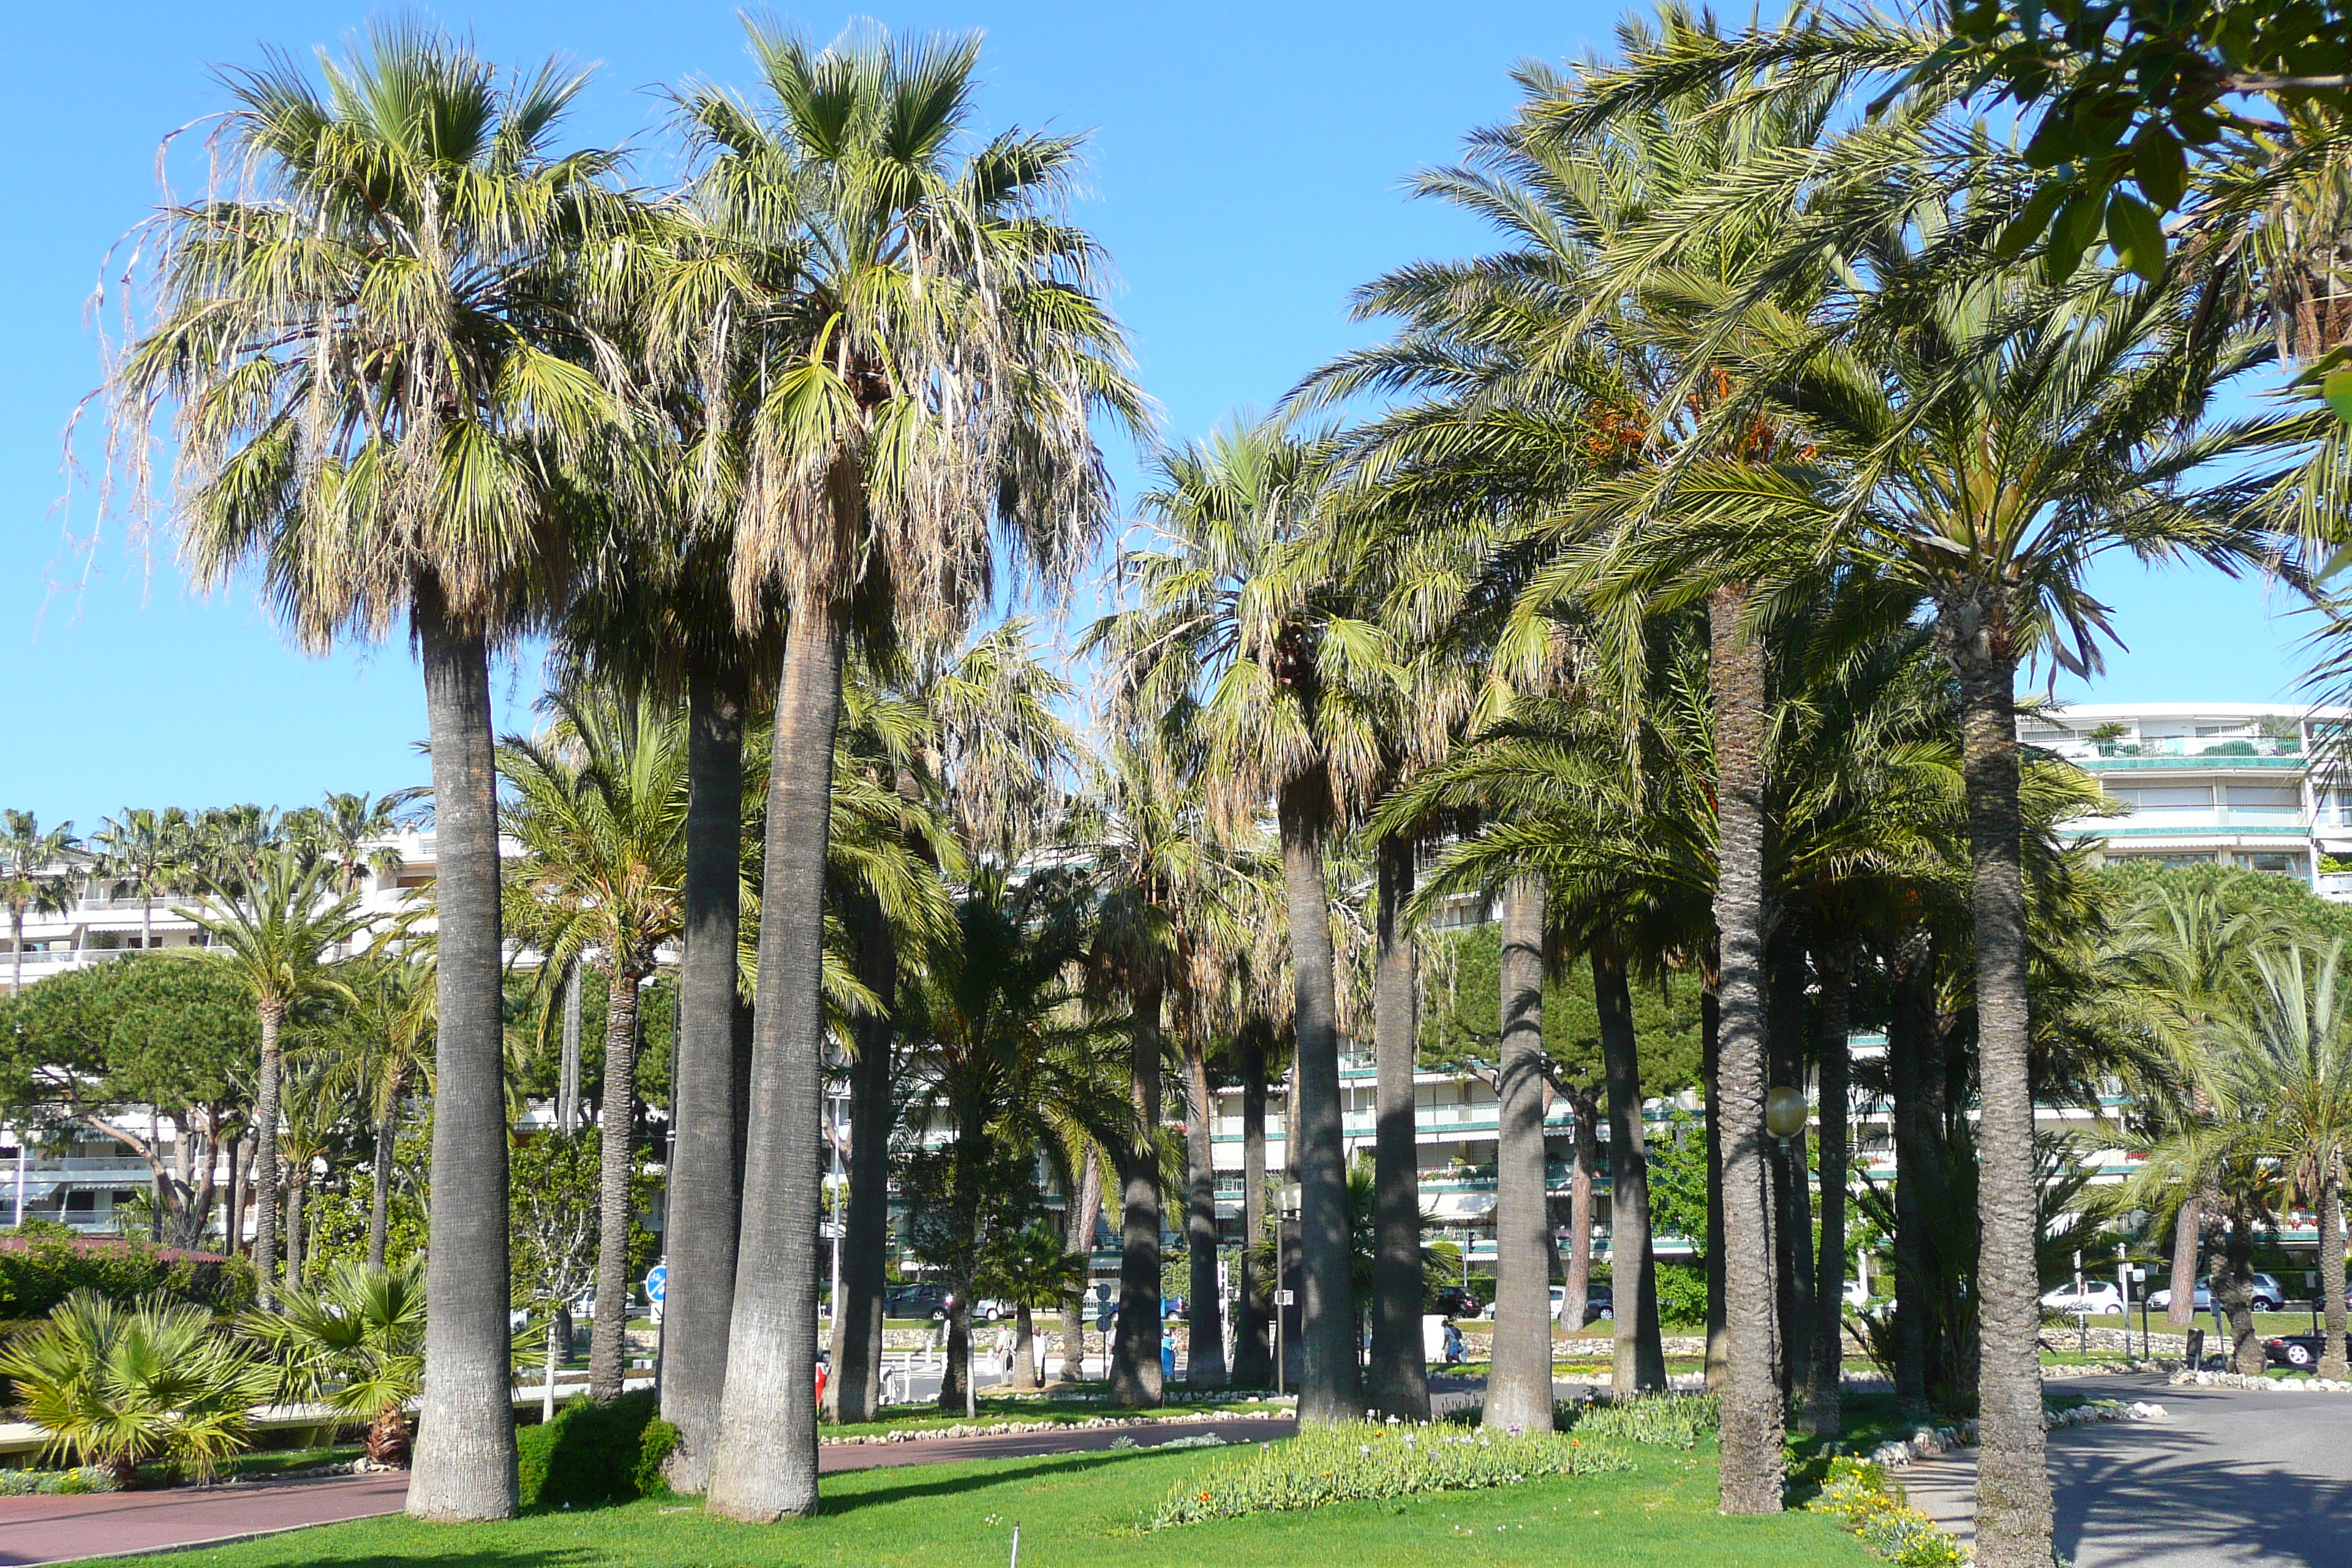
pixel 1456 1302
pixel 919 1301
pixel 2301 1352
pixel 1599 1304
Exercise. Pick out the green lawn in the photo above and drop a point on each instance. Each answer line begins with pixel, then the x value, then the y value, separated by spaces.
pixel 1083 1510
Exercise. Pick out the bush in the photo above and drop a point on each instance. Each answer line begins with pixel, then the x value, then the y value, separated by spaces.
pixel 593 1455
pixel 1682 1293
pixel 1354 1462
pixel 1868 1503
pixel 39 1272
pixel 1661 1420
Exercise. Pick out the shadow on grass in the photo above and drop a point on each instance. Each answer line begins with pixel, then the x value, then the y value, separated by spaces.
pixel 1000 1472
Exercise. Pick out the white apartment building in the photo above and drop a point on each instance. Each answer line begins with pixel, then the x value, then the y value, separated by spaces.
pixel 2211 783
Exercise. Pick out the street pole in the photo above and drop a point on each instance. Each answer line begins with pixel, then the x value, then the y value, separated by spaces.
pixel 832 1115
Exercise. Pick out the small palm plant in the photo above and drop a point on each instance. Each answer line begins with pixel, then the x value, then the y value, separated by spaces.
pixel 1033 1267
pixel 119 1386
pixel 356 1344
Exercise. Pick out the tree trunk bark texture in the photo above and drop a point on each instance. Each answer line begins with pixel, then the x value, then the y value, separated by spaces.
pixel 264 1151
pixel 1752 1423
pixel 1518 1389
pixel 1398 1380
pixel 1718 1327
pixel 1640 1352
pixel 2013 1496
pixel 705 1208
pixel 2188 1235
pixel 855 1390
pixel 617 1116
pixel 465 1455
pixel 1329 1388
pixel 1253 1328
pixel 2331 1271
pixel 1085 1214
pixel 1135 1372
pixel 1204 1361
pixel 387 1141
pixel 765 1465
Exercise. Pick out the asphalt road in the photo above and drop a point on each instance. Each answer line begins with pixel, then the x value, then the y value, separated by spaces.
pixel 2231 1479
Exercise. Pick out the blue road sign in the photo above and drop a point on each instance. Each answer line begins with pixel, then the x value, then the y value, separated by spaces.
pixel 658 1282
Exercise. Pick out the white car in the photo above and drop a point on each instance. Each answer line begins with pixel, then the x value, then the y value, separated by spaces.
pixel 2096 1298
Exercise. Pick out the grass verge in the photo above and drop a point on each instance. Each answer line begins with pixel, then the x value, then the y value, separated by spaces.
pixel 1088 1510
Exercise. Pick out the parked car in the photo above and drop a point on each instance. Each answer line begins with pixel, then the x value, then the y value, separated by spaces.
pixel 1600 1303
pixel 2096 1298
pixel 2301 1352
pixel 919 1301
pixel 1456 1302
pixel 2268 1296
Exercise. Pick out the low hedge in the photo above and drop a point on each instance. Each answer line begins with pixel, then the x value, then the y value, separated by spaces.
pixel 38 1272
pixel 594 1455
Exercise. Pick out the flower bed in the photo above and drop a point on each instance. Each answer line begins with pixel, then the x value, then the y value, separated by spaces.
pixel 1016 1429
pixel 1661 1420
pixel 83 1479
pixel 1355 1463
pixel 1867 1501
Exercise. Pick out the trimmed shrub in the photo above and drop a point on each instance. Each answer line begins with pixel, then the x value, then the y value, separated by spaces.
pixel 1682 1293
pixel 1354 1462
pixel 39 1272
pixel 594 1455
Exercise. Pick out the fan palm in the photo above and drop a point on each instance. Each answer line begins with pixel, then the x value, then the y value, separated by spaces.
pixel 273 933
pixel 356 1344
pixel 1033 1270
pixel 119 1384
pixel 377 371
pixel 32 878
pixel 144 852
pixel 599 809
pixel 915 335
pixel 1246 648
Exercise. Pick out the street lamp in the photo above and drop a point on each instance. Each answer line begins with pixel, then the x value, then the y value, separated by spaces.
pixel 1785 1113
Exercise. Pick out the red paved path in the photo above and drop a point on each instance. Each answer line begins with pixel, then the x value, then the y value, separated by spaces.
pixel 34 1530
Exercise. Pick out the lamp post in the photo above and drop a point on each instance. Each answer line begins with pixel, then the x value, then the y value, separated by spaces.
pixel 1290 1201
pixel 1785 1113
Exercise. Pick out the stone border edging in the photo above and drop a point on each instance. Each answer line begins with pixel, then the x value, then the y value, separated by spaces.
pixel 2185 1379
pixel 1022 1428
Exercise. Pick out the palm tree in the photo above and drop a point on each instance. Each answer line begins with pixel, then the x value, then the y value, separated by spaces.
pixel 349 832
pixel 599 808
pixel 1243 641
pixel 1033 1270
pixel 916 337
pixel 144 852
pixel 389 1004
pixel 31 880
pixel 377 370
pixel 2284 1078
pixel 356 1344
pixel 273 932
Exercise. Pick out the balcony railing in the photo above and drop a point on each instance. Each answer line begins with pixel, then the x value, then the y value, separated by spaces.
pixel 2210 748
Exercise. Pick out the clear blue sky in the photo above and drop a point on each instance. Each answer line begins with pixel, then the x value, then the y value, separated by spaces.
pixel 1246 163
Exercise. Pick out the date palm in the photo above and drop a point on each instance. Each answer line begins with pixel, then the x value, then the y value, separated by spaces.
pixel 275 933
pixel 376 369
pixel 914 334
pixel 1246 649
pixel 598 808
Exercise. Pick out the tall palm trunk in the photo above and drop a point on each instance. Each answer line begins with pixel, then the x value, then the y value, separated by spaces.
pixel 1910 1069
pixel 1821 1405
pixel 1718 1330
pixel 265 1150
pixel 1792 1232
pixel 567 1072
pixel 765 1465
pixel 294 1234
pixel 2188 1235
pixel 1576 1290
pixel 1641 1357
pixel 1204 1361
pixel 2331 1268
pixel 855 1389
pixel 1752 1426
pixel 1252 1326
pixel 1518 1390
pixel 465 1464
pixel 2014 1498
pixel 1135 1375
pixel 705 1208
pixel 1025 1349
pixel 1399 1377
pixel 2234 1290
pixel 1085 1214
pixel 1329 1387
pixel 616 1118
pixel 387 1139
